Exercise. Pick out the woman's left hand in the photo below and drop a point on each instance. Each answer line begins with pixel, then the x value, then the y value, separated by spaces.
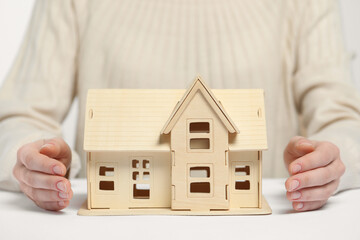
pixel 315 169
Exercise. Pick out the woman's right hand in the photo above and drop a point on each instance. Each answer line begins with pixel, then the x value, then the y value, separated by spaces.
pixel 41 168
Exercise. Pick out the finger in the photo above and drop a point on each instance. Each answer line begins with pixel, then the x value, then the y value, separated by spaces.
pixel 43 181
pixel 298 146
pixel 315 177
pixel 56 148
pixel 43 195
pixel 35 161
pixel 324 154
pixel 53 206
pixel 307 206
pixel 314 193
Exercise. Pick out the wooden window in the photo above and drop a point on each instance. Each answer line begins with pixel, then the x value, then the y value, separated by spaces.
pixel 199 135
pixel 199 143
pixel 242 176
pixel 141 177
pixel 199 127
pixel 106 177
pixel 200 180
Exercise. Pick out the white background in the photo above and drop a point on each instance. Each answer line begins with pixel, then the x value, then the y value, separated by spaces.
pixel 15 14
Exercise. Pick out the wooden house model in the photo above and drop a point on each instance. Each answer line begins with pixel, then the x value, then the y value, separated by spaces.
pixel 187 152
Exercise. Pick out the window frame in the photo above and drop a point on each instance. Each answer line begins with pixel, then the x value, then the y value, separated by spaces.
pixel 209 179
pixel 200 135
pixel 141 170
pixel 100 178
pixel 249 177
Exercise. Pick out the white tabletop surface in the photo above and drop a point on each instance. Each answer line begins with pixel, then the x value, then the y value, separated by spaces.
pixel 339 219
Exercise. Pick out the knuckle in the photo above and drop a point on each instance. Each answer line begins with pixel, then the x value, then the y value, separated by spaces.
pixel 306 179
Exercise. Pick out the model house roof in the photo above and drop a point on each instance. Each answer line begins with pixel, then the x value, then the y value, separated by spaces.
pixel 199 85
pixel 133 119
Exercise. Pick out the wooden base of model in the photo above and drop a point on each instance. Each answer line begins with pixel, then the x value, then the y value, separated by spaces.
pixel 84 211
pixel 175 152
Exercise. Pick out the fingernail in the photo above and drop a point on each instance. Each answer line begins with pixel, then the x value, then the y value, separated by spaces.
pixel 46 145
pixel 57 170
pixel 293 185
pixel 306 144
pixel 61 204
pixel 61 186
pixel 296 168
pixel 299 206
pixel 295 195
pixel 63 195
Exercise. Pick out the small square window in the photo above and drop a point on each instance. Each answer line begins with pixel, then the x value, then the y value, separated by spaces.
pixel 135 176
pixel 200 143
pixel 242 185
pixel 146 164
pixel 146 176
pixel 199 127
pixel 200 187
pixel 106 185
pixel 135 163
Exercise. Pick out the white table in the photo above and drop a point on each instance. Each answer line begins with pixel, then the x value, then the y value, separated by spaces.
pixel 339 219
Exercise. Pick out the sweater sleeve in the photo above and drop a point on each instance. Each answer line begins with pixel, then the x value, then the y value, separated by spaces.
pixel 324 94
pixel 40 87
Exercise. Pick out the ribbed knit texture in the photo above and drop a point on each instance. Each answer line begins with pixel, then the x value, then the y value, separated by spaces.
pixel 290 48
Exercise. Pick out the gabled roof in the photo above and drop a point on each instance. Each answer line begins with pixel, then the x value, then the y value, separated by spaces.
pixel 131 119
pixel 199 85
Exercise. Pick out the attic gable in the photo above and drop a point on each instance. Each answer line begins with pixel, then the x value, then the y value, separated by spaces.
pixel 199 85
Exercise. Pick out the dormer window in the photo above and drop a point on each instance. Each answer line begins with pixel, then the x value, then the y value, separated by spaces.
pixel 199 135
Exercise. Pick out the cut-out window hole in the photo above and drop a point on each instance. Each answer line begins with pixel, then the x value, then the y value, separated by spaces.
pixel 242 170
pixel 199 127
pixel 135 176
pixel 146 176
pixel 259 113
pixel 141 191
pixel 200 143
pixel 106 185
pixel 200 172
pixel 135 163
pixel 200 187
pixel 146 164
pixel 242 185
pixel 106 171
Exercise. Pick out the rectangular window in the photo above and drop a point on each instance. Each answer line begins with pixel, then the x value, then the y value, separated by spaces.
pixel 200 187
pixel 199 127
pixel 200 172
pixel 200 143
pixel 242 170
pixel 242 185
pixel 106 185
pixel 141 191
pixel 106 171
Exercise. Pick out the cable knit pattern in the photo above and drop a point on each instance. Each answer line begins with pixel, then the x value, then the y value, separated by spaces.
pixel 291 48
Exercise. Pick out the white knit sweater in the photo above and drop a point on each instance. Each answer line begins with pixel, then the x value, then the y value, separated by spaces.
pixel 291 48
